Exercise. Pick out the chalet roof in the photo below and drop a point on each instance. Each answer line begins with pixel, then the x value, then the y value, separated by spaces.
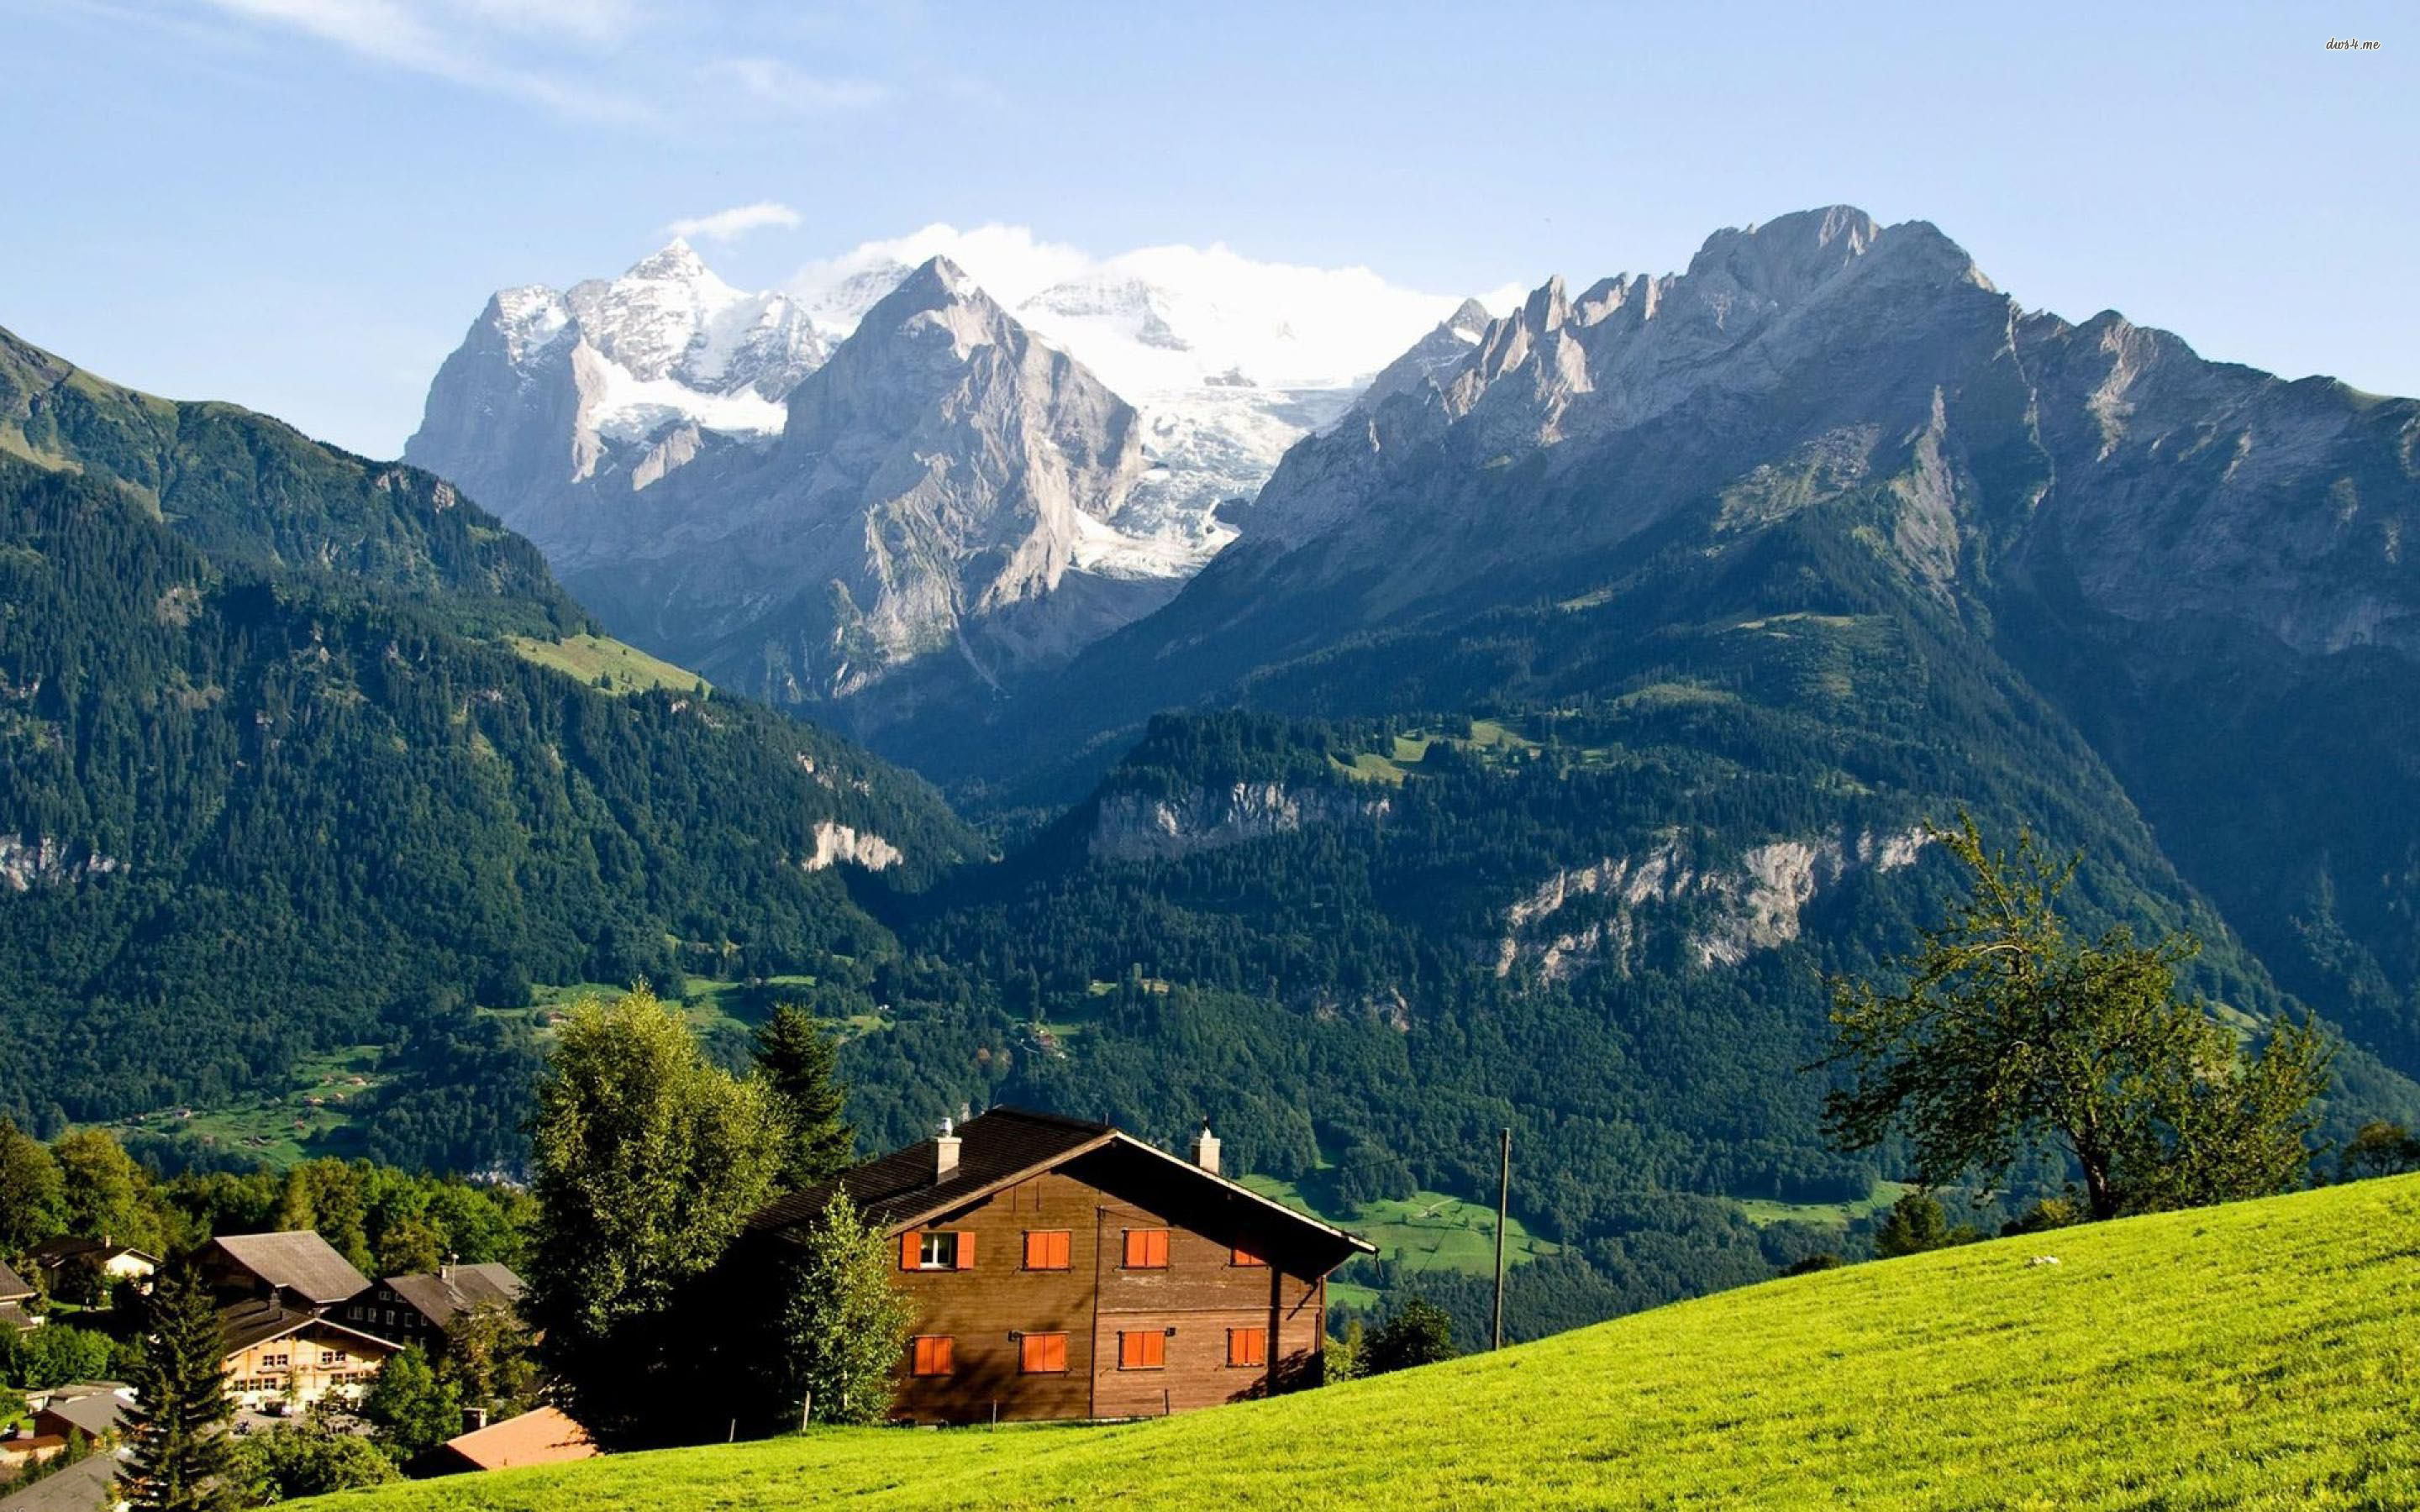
pixel 95 1412
pixel 56 1251
pixel 296 1261
pixel 456 1290
pixel 894 1190
pixel 248 1323
pixel 12 1286
pixel 83 1487
pixel 1003 1147
pixel 541 1436
pixel 13 1314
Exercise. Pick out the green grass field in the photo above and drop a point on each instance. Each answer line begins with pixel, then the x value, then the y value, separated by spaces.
pixel 626 669
pixel 2259 1355
pixel 274 1127
pixel 1764 1211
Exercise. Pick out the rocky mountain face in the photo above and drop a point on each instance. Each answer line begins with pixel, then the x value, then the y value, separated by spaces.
pixel 557 398
pixel 630 425
pixel 936 509
pixel 2196 568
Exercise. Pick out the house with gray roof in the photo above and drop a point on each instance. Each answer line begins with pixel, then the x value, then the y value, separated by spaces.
pixel 296 1268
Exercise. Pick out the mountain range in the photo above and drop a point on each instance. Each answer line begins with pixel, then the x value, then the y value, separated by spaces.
pixel 1567 703
pixel 664 438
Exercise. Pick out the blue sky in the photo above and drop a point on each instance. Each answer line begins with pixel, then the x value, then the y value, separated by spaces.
pixel 300 204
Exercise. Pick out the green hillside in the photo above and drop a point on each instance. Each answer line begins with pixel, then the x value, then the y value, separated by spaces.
pixel 2250 1356
pixel 305 758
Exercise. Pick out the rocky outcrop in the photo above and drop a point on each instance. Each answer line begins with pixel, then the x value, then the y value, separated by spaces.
pixel 1133 826
pixel 46 862
pixel 1753 905
pixel 835 843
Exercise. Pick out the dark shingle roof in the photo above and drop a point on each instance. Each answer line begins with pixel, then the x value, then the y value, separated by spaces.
pixel 95 1411
pixel 53 1252
pixel 297 1260
pixel 247 1323
pixel 1007 1145
pixel 457 1290
pixel 894 1188
pixel 12 1286
pixel 83 1487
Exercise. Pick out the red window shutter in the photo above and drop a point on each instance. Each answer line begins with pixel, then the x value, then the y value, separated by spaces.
pixel 1159 1247
pixel 1245 1257
pixel 1134 1248
pixel 1061 1251
pixel 933 1354
pixel 1043 1354
pixel 966 1250
pixel 1248 1346
pixel 912 1250
pixel 1146 1249
pixel 1047 1249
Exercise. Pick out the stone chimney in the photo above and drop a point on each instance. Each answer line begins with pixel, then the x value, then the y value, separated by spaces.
pixel 1205 1148
pixel 945 1152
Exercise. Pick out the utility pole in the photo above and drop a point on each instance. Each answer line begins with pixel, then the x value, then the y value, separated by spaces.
pixel 1503 1209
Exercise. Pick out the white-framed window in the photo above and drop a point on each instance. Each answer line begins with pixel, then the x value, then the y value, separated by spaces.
pixel 938 1251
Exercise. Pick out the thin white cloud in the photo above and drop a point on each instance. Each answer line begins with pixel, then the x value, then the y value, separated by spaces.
pixel 722 225
pixel 786 86
pixel 441 38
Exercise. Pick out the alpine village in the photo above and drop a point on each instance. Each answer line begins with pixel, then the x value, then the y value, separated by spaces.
pixel 894 861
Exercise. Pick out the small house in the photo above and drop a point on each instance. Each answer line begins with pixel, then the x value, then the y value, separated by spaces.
pixel 1061 1269
pixel 419 1308
pixel 113 1262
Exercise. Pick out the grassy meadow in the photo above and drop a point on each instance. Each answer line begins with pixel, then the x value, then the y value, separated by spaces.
pixel 601 661
pixel 2259 1355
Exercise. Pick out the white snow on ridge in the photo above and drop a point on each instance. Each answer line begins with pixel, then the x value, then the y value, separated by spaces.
pixel 1227 361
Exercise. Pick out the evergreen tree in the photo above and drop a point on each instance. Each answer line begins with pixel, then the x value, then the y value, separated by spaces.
pixel 646 1162
pixel 2010 1034
pixel 844 1326
pixel 799 1062
pixel 176 1429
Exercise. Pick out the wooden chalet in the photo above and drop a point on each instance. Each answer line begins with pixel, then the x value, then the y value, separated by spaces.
pixel 278 1355
pixel 1061 1269
pixel 419 1308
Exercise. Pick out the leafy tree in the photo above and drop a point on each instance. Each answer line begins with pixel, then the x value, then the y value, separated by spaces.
pixel 1341 1358
pixel 1916 1224
pixel 487 1358
pixel 311 1458
pixel 412 1247
pixel 2380 1148
pixel 1416 1332
pixel 30 1191
pixel 844 1326
pixel 2011 1033
pixel 2043 1216
pixel 105 1195
pixel 799 1061
pixel 410 1411
pixel 56 1354
pixel 646 1161
pixel 176 1433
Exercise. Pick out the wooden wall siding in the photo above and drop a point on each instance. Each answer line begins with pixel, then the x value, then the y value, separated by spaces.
pixel 1201 1294
pixel 255 1380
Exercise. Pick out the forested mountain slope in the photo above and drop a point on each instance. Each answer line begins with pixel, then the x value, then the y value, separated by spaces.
pixel 278 780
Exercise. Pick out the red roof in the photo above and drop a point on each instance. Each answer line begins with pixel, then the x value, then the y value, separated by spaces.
pixel 539 1437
